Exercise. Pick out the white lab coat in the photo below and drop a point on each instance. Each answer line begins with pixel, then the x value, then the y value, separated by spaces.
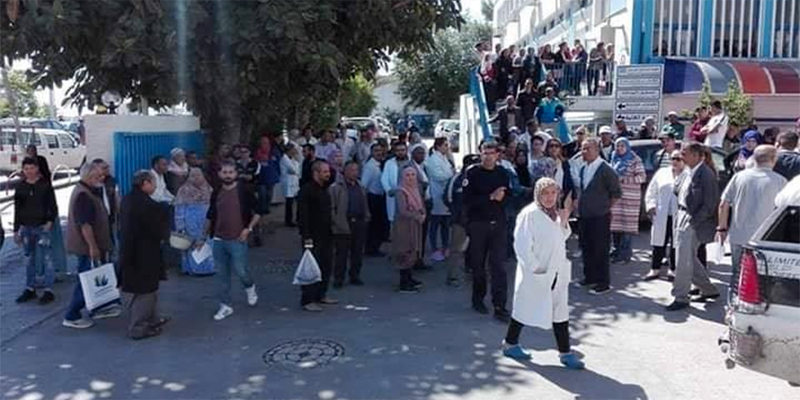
pixel 660 196
pixel 439 171
pixel 540 245
pixel 290 176
pixel 389 181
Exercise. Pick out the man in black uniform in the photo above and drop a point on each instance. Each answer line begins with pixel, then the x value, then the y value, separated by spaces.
pixel 315 228
pixel 485 189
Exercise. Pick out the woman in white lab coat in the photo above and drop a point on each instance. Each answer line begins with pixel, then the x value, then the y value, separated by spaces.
pixel 661 205
pixel 290 178
pixel 543 273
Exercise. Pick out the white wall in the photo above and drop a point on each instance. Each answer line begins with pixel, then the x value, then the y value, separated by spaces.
pixel 100 130
pixel 387 96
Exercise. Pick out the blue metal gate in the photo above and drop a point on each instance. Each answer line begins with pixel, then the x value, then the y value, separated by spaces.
pixel 133 151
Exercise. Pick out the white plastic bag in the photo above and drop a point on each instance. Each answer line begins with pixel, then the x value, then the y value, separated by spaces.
pixel 99 286
pixel 308 271
pixel 715 251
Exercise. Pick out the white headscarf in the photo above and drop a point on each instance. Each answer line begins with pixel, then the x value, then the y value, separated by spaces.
pixel 175 168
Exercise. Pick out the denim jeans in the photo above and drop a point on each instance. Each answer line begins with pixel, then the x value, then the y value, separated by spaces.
pixel 230 255
pixel 439 224
pixel 37 255
pixel 78 303
pixel 623 246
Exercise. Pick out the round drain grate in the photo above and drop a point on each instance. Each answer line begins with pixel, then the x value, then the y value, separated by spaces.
pixel 304 354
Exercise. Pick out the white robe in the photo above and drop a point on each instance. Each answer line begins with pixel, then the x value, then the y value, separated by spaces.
pixel 660 196
pixel 389 181
pixel 439 173
pixel 540 244
pixel 290 176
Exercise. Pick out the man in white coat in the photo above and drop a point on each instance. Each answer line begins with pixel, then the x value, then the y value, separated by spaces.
pixel 391 176
pixel 543 273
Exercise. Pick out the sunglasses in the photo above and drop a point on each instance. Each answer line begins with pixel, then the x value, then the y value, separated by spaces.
pixel 677 158
pixel 554 145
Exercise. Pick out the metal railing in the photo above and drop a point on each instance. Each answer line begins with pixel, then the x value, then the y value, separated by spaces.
pixel 575 79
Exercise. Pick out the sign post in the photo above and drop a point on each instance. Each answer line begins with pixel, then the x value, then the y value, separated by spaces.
pixel 638 93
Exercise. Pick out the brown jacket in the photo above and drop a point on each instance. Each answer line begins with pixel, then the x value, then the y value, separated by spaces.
pixel 76 244
pixel 339 199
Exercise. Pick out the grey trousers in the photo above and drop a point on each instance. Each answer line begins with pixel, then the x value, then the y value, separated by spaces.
pixel 688 269
pixel 142 312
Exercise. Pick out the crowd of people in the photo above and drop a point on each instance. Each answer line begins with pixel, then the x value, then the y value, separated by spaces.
pixel 348 196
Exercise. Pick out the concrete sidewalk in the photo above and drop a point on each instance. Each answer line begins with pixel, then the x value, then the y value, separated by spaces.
pixel 379 344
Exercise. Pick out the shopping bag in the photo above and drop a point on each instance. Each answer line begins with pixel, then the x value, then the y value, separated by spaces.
pixel 308 271
pixel 716 250
pixel 99 286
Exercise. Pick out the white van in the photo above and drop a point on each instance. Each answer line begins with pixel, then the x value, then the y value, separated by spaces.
pixel 58 146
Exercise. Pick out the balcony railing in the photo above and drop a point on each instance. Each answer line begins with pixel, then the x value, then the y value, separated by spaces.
pixel 575 79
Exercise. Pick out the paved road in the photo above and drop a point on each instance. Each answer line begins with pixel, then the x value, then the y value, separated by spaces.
pixel 378 344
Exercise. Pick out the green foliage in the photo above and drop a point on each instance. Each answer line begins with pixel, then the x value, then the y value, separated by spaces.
pixel 738 105
pixel 487 9
pixel 355 97
pixel 24 94
pixel 705 99
pixel 434 79
pixel 245 67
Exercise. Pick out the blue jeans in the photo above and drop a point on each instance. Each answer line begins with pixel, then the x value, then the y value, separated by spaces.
pixel 623 246
pixel 78 303
pixel 439 223
pixel 37 255
pixel 230 255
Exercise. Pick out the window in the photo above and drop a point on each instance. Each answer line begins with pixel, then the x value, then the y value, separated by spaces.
pixel 52 141
pixel 66 141
pixel 786 228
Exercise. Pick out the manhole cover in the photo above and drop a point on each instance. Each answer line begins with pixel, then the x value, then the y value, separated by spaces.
pixel 304 354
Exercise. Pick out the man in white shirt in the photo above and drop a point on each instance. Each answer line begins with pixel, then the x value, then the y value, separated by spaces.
pixel 376 201
pixel 161 195
pixel 391 176
pixel 745 198
pixel 326 147
pixel 717 126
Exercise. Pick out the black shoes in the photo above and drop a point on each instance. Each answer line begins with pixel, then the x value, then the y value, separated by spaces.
pixel 586 283
pixel 694 292
pixel 26 295
pixel 702 298
pixel 408 288
pixel 47 297
pixel 356 282
pixel 501 314
pixel 480 308
pixel 415 283
pixel 600 290
pixel 677 306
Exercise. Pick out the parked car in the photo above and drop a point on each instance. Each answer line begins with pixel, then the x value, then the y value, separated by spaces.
pixel 354 124
pixel 764 321
pixel 449 128
pixel 58 146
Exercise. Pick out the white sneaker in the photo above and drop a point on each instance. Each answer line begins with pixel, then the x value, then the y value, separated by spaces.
pixel 109 312
pixel 82 323
pixel 252 296
pixel 225 311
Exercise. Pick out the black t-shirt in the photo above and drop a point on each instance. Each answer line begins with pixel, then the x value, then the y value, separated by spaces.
pixel 478 186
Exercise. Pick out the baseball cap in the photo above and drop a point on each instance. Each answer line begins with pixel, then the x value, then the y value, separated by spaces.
pixel 672 113
pixel 666 135
pixel 605 129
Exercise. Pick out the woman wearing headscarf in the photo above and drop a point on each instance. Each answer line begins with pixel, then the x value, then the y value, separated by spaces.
pixel 541 287
pixel 407 228
pixel 177 170
pixel 191 207
pixel 751 140
pixel 625 212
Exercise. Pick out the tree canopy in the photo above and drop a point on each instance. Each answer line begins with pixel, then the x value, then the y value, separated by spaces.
pixel 27 105
pixel 435 78
pixel 242 66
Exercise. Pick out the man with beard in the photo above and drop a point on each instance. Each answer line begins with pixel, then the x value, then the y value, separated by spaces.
pixel 391 176
pixel 232 216
pixel 315 222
